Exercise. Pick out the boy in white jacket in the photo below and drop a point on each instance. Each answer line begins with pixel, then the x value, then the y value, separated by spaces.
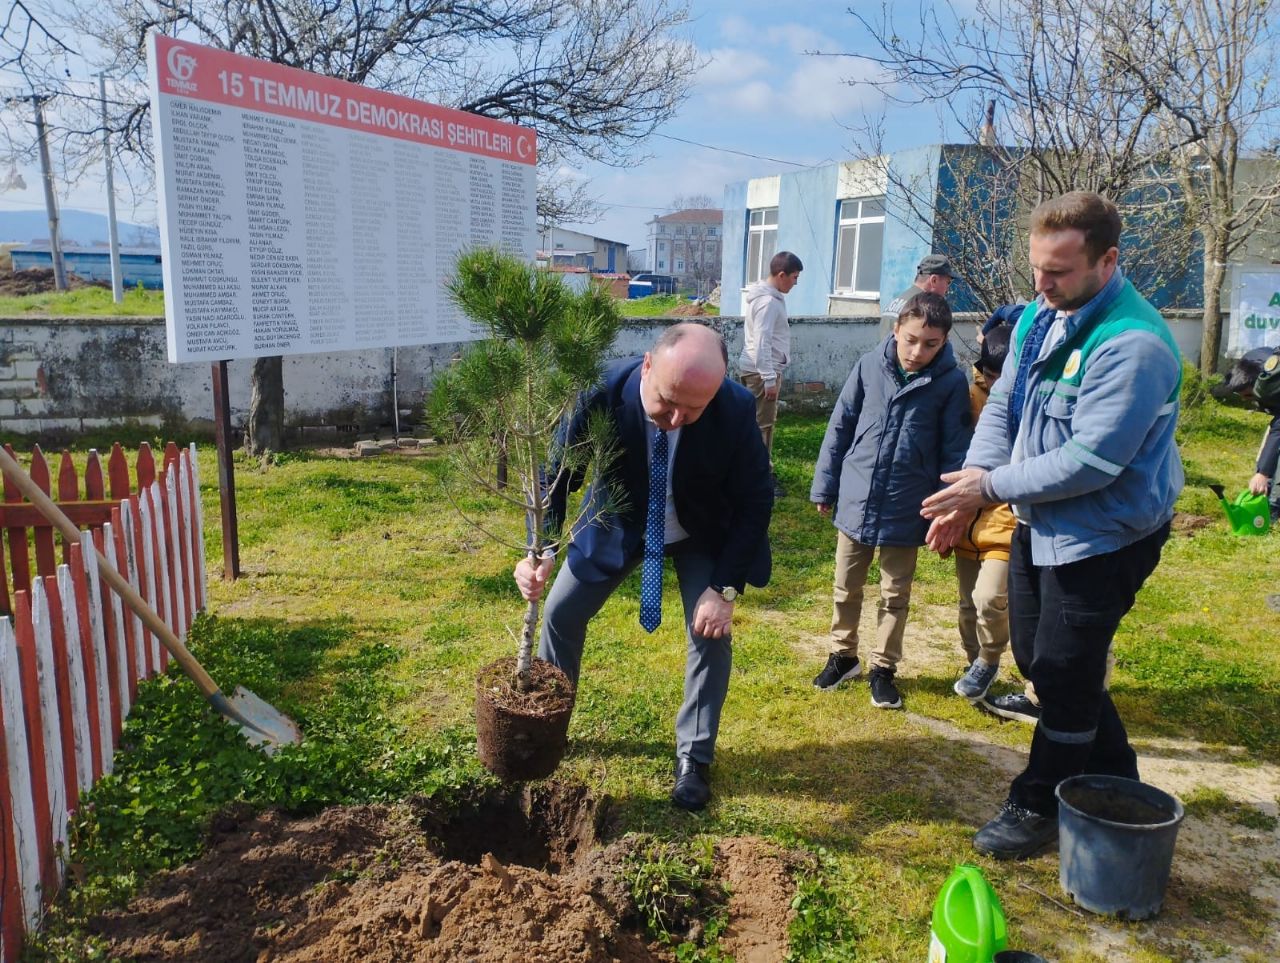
pixel 766 344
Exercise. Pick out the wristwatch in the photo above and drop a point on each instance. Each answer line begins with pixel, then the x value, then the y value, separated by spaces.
pixel 726 592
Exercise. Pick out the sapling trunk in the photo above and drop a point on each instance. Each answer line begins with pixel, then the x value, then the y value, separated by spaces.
pixel 533 511
pixel 524 657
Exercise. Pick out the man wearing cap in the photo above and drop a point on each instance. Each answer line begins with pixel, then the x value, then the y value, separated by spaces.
pixel 933 274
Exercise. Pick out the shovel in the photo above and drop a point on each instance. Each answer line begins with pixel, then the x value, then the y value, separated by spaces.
pixel 262 723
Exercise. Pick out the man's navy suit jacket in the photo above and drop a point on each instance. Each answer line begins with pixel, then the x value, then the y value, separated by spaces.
pixel 720 483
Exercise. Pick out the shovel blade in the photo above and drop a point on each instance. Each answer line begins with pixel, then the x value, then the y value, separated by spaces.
pixel 261 723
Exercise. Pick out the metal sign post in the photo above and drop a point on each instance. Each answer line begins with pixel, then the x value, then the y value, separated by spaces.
pixel 226 474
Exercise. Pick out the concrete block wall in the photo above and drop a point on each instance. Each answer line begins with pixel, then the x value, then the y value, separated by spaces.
pixel 23 386
pixel 72 375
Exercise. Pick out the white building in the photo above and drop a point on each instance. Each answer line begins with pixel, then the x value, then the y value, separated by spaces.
pixel 560 247
pixel 687 245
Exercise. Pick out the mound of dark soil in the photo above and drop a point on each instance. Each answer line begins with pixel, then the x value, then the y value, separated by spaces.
pixel 40 281
pixel 516 875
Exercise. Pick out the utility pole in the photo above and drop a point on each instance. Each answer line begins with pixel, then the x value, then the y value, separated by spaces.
pixel 117 279
pixel 50 201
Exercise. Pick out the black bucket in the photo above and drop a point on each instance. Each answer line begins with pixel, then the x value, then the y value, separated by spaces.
pixel 1115 844
pixel 1017 956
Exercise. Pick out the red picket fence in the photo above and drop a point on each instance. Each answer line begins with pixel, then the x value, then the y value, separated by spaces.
pixel 72 654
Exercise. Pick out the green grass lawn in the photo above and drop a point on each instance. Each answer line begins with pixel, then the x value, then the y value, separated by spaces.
pixel 657 306
pixel 87 302
pixel 90 302
pixel 366 607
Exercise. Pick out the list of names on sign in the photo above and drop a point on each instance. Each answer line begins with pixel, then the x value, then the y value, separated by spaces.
pixel 301 213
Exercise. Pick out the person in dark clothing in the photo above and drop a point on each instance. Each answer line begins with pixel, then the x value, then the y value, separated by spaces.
pixel 1240 380
pixel 1006 315
pixel 933 276
pixel 900 422
pixel 691 483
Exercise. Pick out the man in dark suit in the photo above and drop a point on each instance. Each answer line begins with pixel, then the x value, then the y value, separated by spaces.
pixel 691 482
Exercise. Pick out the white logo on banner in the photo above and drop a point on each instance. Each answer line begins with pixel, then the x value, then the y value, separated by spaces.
pixel 182 67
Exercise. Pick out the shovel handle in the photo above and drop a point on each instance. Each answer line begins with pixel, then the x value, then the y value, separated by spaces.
pixel 70 531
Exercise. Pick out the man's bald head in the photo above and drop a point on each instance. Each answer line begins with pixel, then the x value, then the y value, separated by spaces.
pixel 682 374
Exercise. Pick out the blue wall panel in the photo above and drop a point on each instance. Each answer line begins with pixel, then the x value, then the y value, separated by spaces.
pixel 807 228
pixel 96 266
pixel 907 237
pixel 733 252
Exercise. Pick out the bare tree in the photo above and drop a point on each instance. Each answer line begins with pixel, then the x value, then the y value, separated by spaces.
pixel 1207 65
pixel 700 253
pixel 27 45
pixel 702 260
pixel 1150 104
pixel 694 202
pixel 593 77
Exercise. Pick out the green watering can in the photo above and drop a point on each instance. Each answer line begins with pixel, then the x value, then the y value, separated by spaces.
pixel 968 921
pixel 1248 514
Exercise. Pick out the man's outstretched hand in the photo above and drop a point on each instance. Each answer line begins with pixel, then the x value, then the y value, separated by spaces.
pixel 962 494
pixel 953 508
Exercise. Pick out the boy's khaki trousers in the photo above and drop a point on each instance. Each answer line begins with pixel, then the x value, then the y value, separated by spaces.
pixel 897 569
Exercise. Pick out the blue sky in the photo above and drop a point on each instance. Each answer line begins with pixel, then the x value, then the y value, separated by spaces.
pixel 759 93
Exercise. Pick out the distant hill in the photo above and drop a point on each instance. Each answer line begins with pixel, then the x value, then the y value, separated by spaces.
pixel 81 227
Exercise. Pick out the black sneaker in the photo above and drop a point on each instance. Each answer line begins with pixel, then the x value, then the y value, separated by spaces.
pixel 839 669
pixel 884 694
pixel 1014 705
pixel 1016 833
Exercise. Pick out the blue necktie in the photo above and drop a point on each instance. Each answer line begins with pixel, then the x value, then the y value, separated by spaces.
pixel 1030 352
pixel 655 531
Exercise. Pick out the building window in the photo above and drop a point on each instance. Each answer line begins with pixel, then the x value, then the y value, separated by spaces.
pixel 712 231
pixel 662 265
pixel 680 264
pixel 662 245
pixel 762 242
pixel 860 246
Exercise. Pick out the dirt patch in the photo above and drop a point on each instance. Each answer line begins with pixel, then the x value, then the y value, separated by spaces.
pixel 514 875
pixel 1221 870
pixel 40 281
pixel 760 879
pixel 1188 524
pixel 690 309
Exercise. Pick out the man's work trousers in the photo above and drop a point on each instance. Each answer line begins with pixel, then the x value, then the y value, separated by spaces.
pixel 897 570
pixel 1062 620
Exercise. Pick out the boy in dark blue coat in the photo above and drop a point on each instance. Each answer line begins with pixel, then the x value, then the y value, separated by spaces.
pixel 902 420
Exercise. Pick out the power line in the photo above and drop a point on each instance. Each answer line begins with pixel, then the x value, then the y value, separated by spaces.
pixel 730 150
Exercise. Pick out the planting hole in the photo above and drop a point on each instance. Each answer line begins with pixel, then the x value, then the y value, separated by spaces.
pixel 545 827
